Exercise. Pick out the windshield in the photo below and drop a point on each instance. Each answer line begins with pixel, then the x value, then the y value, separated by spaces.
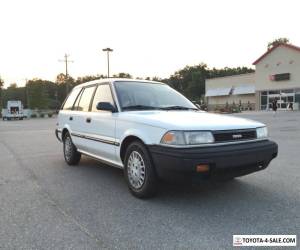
pixel 146 96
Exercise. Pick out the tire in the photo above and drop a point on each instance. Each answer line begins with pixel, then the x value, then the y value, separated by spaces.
pixel 139 171
pixel 72 156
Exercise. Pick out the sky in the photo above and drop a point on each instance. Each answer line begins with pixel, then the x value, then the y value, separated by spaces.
pixel 149 38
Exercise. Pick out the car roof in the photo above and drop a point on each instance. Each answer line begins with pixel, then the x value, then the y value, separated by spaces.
pixel 112 80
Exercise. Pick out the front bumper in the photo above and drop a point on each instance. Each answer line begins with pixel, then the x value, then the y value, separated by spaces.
pixel 225 161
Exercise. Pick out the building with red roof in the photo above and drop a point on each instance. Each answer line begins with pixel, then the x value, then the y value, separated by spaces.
pixel 276 76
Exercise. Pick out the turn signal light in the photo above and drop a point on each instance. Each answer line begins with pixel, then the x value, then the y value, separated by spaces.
pixel 202 168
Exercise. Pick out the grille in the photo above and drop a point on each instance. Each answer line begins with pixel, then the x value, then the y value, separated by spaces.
pixel 234 135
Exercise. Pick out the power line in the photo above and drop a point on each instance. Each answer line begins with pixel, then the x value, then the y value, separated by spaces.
pixel 66 61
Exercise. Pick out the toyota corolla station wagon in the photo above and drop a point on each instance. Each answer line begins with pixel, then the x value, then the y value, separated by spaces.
pixel 154 133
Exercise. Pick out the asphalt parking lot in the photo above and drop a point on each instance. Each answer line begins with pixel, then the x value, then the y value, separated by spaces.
pixel 45 204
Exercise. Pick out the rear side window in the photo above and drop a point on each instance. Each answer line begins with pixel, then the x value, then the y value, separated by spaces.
pixel 77 101
pixel 71 99
pixel 85 100
pixel 103 94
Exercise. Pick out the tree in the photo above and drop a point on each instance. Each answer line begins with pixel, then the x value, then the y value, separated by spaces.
pixel 191 79
pixel 13 93
pixel 37 94
pixel 61 78
pixel 88 78
pixel 64 86
pixel 1 83
pixel 213 73
pixel 278 41
pixel 13 85
pixel 123 75
pixel 1 87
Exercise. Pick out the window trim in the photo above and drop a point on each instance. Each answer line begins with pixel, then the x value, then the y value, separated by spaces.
pixel 112 95
pixel 77 98
pixel 81 92
pixel 64 102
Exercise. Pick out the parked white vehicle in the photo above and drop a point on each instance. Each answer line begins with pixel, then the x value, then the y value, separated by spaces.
pixel 13 111
pixel 153 132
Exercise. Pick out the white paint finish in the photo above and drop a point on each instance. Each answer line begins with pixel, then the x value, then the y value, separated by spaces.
pixel 148 126
pixel 102 126
pixel 13 104
pixel 185 120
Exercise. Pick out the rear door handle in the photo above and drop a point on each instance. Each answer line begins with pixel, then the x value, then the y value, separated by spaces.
pixel 88 120
pixel 71 118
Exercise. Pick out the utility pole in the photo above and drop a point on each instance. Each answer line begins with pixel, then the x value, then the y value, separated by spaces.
pixel 66 61
pixel 26 94
pixel 108 50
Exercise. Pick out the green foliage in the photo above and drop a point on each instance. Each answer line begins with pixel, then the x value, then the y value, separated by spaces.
pixel 37 93
pixel 43 94
pixel 33 116
pixel 123 75
pixel 1 83
pixel 84 79
pixel 1 98
pixel 281 40
pixel 13 93
pixel 13 85
pixel 191 80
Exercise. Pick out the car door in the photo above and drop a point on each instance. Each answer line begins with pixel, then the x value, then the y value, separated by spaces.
pixel 80 124
pixel 67 112
pixel 100 126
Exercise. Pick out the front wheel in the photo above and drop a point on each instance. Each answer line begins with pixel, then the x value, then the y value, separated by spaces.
pixel 139 171
pixel 72 156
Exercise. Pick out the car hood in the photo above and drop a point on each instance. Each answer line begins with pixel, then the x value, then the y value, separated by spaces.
pixel 188 120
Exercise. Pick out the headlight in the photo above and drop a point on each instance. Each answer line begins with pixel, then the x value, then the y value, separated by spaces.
pixel 187 138
pixel 262 132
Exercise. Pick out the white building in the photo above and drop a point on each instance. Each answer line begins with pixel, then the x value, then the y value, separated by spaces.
pixel 277 75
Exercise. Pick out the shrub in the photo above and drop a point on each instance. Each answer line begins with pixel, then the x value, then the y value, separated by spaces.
pixel 42 115
pixel 33 116
pixel 50 115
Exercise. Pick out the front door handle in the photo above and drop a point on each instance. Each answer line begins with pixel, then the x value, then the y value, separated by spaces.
pixel 88 119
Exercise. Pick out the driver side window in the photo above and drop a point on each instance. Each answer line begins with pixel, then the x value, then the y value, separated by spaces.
pixel 103 94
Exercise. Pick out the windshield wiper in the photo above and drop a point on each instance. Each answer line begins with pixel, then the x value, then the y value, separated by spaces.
pixel 138 107
pixel 178 108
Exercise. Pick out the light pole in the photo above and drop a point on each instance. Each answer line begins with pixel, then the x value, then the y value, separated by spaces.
pixel 108 50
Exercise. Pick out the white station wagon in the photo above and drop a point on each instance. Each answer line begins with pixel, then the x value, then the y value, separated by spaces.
pixel 153 132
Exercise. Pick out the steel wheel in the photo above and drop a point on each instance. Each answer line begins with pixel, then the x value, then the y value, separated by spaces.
pixel 136 170
pixel 72 156
pixel 139 171
pixel 68 148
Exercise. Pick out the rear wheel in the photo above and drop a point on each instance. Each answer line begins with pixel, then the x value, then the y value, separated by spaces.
pixel 72 156
pixel 139 171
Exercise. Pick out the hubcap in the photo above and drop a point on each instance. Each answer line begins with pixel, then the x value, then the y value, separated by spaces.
pixel 136 170
pixel 68 148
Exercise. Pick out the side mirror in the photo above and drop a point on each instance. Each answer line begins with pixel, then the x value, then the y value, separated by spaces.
pixel 107 106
